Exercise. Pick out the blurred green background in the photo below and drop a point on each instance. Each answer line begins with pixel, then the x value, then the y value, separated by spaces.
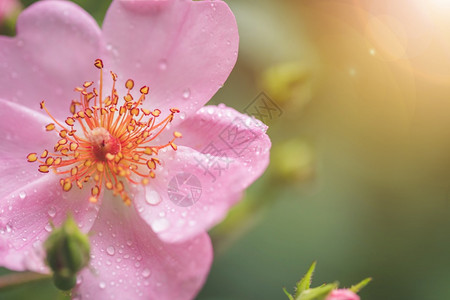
pixel 360 171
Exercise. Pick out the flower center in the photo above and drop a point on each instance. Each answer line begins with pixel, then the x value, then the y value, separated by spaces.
pixel 104 142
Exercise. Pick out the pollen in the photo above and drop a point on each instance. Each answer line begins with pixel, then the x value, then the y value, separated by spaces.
pixel 104 142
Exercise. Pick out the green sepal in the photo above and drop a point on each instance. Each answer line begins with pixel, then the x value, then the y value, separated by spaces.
pixel 287 294
pixel 359 286
pixel 305 282
pixel 318 293
pixel 64 283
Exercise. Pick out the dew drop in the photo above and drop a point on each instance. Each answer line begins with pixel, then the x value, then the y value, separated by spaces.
pixel 146 272
pixel 152 198
pixel 160 225
pixel 186 93
pixel 52 211
pixel 162 65
pixel 102 285
pixel 48 227
pixel 22 195
pixel 110 250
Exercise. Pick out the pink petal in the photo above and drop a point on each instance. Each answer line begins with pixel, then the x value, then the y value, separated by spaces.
pixel 54 51
pixel 25 216
pixel 192 190
pixel 22 131
pixel 183 50
pixel 130 262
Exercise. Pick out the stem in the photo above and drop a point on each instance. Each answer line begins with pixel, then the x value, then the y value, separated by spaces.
pixel 14 279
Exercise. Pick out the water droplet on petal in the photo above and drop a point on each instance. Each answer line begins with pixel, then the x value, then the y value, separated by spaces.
pixel 162 65
pixel 48 227
pixel 52 211
pixel 110 250
pixel 102 285
pixel 146 272
pixel 152 198
pixel 186 93
pixel 160 225
pixel 22 195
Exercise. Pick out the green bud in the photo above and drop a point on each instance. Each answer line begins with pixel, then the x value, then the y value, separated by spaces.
pixel 293 160
pixel 287 83
pixel 68 251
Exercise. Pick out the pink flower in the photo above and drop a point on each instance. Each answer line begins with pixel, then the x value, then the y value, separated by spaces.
pixel 7 7
pixel 342 294
pixel 151 196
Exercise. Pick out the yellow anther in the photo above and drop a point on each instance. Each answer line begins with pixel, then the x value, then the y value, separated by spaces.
pixel 43 168
pixel 129 84
pixel 114 76
pixel 74 171
pixel 49 161
pixel 109 185
pixel 73 146
pixel 44 154
pixel 95 190
pixel 79 184
pixel 32 157
pixel 50 127
pixel 156 112
pixel 151 164
pixel 177 134
pixel 128 98
pixel 98 63
pixel 70 121
pixel 144 90
pixel 67 185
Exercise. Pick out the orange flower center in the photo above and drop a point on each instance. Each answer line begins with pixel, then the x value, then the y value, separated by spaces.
pixel 115 144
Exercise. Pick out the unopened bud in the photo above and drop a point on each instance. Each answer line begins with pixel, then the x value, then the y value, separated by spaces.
pixel 68 252
pixel 342 294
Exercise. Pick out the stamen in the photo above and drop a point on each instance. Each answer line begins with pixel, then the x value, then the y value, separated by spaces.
pixel 114 144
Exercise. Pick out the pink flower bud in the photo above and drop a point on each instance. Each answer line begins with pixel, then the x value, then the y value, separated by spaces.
pixel 342 294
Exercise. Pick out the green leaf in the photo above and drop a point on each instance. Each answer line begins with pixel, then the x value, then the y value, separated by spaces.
pixel 287 294
pixel 357 287
pixel 305 282
pixel 318 293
